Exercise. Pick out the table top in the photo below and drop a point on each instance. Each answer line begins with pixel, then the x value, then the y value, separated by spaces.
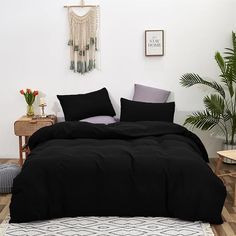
pixel 231 154
pixel 37 118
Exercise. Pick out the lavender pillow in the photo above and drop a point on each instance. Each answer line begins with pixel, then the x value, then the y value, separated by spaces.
pixel 148 94
pixel 100 120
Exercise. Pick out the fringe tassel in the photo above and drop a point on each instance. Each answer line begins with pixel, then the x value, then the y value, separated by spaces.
pixel 83 40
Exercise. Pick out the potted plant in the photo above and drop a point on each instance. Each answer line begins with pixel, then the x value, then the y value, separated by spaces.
pixel 220 106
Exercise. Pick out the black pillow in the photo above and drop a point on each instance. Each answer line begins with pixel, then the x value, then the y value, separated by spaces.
pixel 81 106
pixel 143 111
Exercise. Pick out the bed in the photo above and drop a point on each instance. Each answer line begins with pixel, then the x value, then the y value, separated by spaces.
pixel 144 165
pixel 143 168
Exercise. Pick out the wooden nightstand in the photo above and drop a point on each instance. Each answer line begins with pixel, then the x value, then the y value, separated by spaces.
pixel 230 154
pixel 25 127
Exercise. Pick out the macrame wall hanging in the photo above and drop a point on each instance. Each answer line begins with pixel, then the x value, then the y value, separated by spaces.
pixel 84 38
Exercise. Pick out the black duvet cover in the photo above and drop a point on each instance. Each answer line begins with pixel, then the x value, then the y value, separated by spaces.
pixel 122 169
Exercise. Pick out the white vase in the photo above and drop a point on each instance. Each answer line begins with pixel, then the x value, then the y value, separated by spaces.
pixel 229 147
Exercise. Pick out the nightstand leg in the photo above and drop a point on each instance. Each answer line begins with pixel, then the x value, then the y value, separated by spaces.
pixel 20 151
pixel 234 193
pixel 26 141
pixel 218 165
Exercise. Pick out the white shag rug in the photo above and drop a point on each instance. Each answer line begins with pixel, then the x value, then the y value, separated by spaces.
pixel 108 226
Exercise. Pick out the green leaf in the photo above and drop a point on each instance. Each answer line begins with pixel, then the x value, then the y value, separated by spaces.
pixel 234 41
pixel 190 79
pixel 231 56
pixel 220 61
pixel 228 113
pixel 27 98
pixel 214 104
pixel 229 49
pixel 202 120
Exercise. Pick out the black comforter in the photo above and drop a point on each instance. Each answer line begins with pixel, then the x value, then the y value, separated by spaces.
pixel 122 169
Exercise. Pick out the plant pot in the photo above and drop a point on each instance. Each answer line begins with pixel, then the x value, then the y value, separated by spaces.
pixel 229 147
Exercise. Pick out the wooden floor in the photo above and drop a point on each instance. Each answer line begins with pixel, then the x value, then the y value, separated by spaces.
pixel 228 213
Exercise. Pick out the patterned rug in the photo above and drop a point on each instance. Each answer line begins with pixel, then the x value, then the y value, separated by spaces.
pixel 108 226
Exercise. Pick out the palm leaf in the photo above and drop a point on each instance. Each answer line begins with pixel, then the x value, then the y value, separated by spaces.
pixel 228 113
pixel 190 79
pixel 202 120
pixel 230 57
pixel 234 41
pixel 229 78
pixel 229 49
pixel 220 61
pixel 215 104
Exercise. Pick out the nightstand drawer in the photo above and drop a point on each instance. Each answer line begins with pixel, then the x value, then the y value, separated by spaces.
pixel 27 128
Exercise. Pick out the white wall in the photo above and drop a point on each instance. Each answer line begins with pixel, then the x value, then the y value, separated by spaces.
pixel 34 53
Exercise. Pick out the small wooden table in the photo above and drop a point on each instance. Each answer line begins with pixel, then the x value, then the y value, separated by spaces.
pixel 230 154
pixel 25 127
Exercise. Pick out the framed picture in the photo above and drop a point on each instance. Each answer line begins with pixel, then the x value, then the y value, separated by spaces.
pixel 154 42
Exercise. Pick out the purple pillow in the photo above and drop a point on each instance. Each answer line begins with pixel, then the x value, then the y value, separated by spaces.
pixel 100 120
pixel 148 94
